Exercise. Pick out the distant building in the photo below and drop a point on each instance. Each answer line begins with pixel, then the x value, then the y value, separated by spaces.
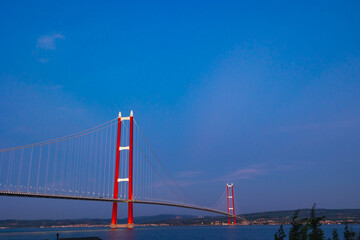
pixel 82 238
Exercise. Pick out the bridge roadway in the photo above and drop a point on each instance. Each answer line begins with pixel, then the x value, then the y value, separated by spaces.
pixel 181 205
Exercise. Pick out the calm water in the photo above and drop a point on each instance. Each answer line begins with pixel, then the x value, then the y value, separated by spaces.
pixel 159 233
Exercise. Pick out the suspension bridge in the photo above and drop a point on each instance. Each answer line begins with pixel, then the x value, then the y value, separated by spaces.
pixel 112 162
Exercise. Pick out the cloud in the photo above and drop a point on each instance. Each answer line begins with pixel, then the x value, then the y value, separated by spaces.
pixel 247 173
pixel 186 178
pixel 189 178
pixel 189 174
pixel 47 42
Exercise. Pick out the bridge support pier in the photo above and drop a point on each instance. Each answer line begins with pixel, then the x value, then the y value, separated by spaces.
pixel 115 226
pixel 114 216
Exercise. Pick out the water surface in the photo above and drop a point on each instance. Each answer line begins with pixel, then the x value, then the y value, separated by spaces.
pixel 159 233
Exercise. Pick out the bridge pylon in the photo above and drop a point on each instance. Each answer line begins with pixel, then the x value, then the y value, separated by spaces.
pixel 130 177
pixel 131 197
pixel 231 210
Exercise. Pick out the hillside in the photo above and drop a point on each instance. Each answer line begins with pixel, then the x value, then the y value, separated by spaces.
pixel 332 216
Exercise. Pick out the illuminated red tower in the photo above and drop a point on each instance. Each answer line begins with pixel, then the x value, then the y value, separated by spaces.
pixel 116 183
pixel 232 208
pixel 131 198
pixel 130 178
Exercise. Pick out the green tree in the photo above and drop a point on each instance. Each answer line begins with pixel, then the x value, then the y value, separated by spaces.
pixel 304 230
pixel 280 235
pixel 349 234
pixel 297 230
pixel 335 235
pixel 357 236
pixel 314 223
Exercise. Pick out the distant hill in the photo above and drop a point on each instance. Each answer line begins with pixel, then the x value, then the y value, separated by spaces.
pixel 340 215
pixel 157 219
pixel 332 216
pixel 287 214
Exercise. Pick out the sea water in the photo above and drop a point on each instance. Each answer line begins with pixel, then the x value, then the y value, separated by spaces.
pixel 160 233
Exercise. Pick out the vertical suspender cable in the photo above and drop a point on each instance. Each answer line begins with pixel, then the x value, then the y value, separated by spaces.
pixel 38 174
pixel 28 183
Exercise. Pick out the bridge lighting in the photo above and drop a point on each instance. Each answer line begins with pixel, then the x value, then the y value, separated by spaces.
pixel 117 165
pixel 130 178
pixel 228 202
pixel 123 179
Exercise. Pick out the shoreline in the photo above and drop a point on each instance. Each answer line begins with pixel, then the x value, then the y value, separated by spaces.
pixel 155 225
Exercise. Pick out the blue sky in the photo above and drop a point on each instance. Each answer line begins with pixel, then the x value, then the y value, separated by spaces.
pixel 262 94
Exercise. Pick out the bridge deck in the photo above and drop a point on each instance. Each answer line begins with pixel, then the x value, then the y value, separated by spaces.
pixel 54 196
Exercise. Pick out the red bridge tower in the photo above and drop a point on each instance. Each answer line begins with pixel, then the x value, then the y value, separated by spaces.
pixel 130 178
pixel 232 208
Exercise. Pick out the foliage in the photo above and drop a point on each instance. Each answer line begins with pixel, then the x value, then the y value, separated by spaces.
pixel 280 235
pixel 349 234
pixel 335 235
pixel 314 223
pixel 296 230
pixel 307 228
pixel 310 229
pixel 304 230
